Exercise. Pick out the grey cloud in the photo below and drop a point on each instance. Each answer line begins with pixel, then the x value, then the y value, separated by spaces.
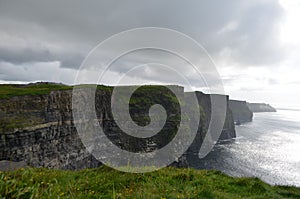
pixel 254 38
pixel 77 26
pixel 260 26
pixel 27 55
pixel 39 71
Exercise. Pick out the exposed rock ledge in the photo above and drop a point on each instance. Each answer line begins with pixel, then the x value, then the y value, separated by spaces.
pixel 9 165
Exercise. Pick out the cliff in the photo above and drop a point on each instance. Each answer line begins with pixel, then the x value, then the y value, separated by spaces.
pixel 37 126
pixel 260 107
pixel 241 112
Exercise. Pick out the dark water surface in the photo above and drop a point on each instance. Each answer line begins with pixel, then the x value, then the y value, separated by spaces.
pixel 267 148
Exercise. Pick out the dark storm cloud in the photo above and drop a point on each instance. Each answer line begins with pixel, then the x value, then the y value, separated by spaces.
pixel 65 31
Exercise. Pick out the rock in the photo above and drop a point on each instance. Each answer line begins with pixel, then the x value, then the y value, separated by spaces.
pixel 260 107
pixel 228 131
pixel 6 165
pixel 241 112
pixel 39 129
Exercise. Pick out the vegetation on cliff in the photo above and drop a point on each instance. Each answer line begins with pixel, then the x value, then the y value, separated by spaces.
pixel 104 182
pixel 11 90
pixel 41 88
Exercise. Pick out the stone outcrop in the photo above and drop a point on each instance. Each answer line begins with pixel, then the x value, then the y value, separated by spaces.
pixel 241 112
pixel 228 131
pixel 260 107
pixel 39 129
pixel 10 166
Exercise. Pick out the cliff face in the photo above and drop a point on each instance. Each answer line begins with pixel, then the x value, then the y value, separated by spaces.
pixel 241 112
pixel 260 107
pixel 39 130
pixel 228 131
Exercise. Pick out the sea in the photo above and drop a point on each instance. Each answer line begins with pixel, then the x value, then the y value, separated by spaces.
pixel 267 148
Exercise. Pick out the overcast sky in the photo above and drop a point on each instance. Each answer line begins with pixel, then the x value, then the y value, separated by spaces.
pixel 254 44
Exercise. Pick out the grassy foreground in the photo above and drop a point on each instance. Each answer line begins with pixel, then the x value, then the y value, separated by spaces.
pixel 104 182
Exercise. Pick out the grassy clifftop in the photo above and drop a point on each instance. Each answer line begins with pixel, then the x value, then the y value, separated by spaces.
pixel 41 88
pixel 24 105
pixel 104 182
pixel 11 90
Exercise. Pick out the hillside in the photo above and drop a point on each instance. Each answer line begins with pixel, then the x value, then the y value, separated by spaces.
pixel 104 182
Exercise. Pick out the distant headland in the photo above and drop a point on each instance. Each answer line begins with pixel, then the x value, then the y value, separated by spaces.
pixel 260 107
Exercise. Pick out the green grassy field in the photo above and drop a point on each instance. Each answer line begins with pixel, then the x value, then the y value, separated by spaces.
pixel 104 182
pixel 11 90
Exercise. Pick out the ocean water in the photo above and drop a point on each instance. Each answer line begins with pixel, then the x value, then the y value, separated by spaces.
pixel 267 148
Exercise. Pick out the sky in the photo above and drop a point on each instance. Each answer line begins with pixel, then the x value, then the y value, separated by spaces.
pixel 255 44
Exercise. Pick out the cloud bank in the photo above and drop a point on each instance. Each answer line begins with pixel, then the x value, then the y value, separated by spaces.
pixel 41 39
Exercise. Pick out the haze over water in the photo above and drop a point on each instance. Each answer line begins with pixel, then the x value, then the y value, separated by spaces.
pixel 267 148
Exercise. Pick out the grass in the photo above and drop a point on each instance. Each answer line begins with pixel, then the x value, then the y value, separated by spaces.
pixel 41 88
pixel 9 123
pixel 10 90
pixel 104 182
